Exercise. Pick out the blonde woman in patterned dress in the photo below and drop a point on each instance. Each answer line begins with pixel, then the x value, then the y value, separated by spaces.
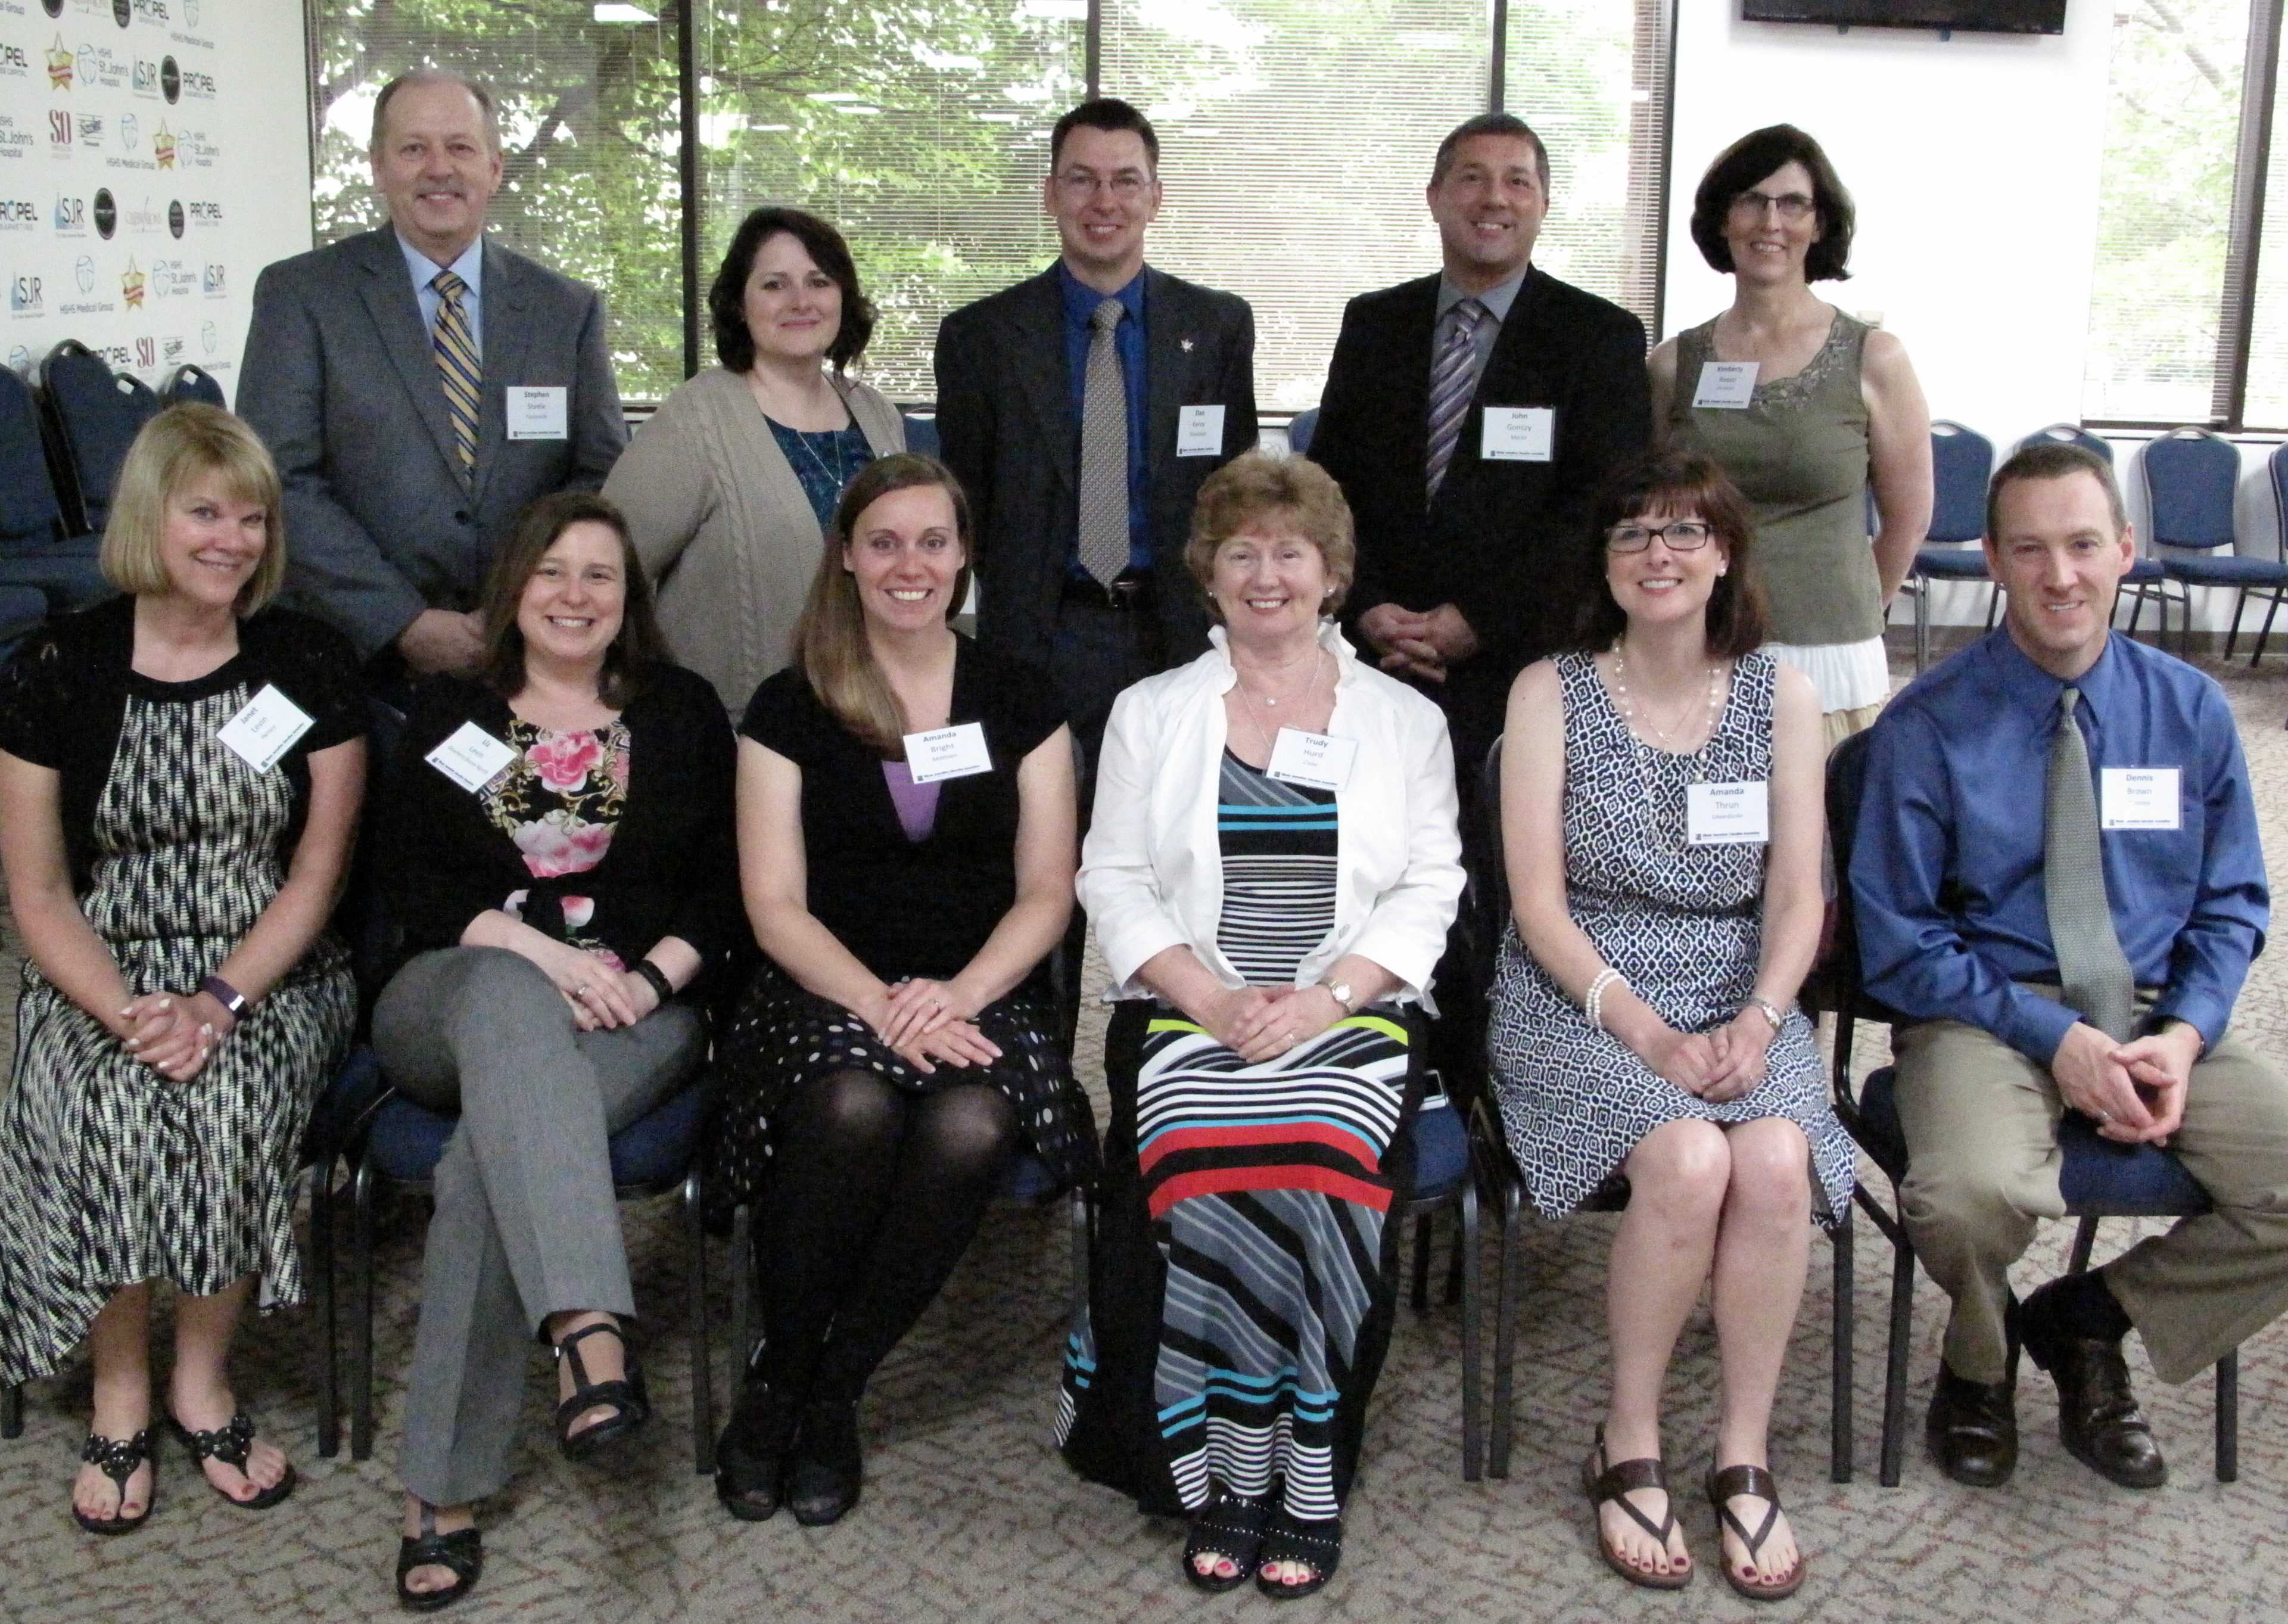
pixel 1643 1018
pixel 181 1005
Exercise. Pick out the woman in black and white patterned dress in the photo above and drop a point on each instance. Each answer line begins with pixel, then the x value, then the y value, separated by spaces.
pixel 179 777
pixel 1661 815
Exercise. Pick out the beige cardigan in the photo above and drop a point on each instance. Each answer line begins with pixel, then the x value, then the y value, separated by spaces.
pixel 723 527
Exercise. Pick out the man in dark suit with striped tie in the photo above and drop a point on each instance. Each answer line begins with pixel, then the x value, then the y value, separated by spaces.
pixel 1469 418
pixel 420 387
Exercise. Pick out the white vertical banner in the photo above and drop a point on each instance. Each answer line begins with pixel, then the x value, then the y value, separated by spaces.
pixel 154 157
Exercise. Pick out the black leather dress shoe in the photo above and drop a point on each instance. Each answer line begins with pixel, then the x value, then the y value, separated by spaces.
pixel 2098 1418
pixel 1972 1430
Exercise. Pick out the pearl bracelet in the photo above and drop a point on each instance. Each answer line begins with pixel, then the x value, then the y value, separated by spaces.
pixel 1593 1003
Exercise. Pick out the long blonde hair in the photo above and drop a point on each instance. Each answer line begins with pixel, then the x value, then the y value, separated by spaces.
pixel 830 640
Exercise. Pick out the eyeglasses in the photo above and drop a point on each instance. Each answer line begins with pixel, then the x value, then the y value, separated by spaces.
pixel 1791 205
pixel 1127 186
pixel 1682 535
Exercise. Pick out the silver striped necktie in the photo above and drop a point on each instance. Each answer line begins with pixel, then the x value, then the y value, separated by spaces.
pixel 1453 380
pixel 2092 971
pixel 1104 451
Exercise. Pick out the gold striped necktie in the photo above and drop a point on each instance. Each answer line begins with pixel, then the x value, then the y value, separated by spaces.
pixel 457 365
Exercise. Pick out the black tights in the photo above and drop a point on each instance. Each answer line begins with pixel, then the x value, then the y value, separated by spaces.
pixel 873 1196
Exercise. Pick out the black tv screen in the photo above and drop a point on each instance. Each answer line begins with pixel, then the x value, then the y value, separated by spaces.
pixel 1970 16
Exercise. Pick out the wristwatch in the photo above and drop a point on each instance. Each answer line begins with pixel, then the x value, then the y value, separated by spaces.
pixel 1770 1012
pixel 232 1001
pixel 1343 995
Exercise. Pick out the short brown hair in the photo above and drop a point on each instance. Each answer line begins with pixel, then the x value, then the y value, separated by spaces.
pixel 483 97
pixel 1111 114
pixel 639 644
pixel 2054 459
pixel 1755 156
pixel 1679 482
pixel 179 445
pixel 1490 124
pixel 1258 485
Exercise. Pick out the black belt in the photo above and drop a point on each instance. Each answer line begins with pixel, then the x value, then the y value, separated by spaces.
pixel 1129 591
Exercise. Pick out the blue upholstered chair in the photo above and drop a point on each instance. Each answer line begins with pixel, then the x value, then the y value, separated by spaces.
pixel 2192 477
pixel 94 415
pixel 1962 460
pixel 2098 1178
pixel 191 384
pixel 1300 427
pixel 38 552
pixel 921 434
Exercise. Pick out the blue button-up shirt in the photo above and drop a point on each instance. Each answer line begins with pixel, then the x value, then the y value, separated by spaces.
pixel 470 267
pixel 1946 873
pixel 1081 301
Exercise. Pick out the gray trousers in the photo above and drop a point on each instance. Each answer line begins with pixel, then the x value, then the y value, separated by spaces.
pixel 1982 1127
pixel 526 1225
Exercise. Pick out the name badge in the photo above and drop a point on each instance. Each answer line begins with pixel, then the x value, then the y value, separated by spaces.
pixel 1728 385
pixel 266 729
pixel 2139 797
pixel 471 758
pixel 1315 760
pixel 1519 434
pixel 1727 814
pixel 537 413
pixel 947 753
pixel 1199 431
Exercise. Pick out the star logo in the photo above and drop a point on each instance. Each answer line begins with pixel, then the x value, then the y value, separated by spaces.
pixel 60 63
pixel 162 146
pixel 131 286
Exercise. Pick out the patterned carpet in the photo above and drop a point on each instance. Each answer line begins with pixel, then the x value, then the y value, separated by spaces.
pixel 968 1516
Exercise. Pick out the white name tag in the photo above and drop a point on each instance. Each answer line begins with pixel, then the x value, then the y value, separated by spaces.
pixel 1199 431
pixel 1315 760
pixel 947 753
pixel 1731 385
pixel 537 413
pixel 2139 797
pixel 472 758
pixel 1519 434
pixel 266 729
pixel 1727 814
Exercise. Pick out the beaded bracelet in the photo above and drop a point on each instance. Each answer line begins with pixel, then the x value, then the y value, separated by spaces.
pixel 1593 1005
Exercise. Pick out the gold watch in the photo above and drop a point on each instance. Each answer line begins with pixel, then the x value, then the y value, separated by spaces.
pixel 1343 995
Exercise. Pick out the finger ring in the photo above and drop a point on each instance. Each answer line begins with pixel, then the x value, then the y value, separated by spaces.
pixel 581 991
pixel 2105 1116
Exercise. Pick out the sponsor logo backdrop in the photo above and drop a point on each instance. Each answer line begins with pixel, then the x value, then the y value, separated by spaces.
pixel 154 157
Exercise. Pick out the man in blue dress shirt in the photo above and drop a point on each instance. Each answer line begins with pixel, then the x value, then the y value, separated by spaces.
pixel 2066 921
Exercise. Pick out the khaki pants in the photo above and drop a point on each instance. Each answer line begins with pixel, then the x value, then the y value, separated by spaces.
pixel 1981 1122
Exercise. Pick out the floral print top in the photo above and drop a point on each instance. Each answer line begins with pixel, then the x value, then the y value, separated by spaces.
pixel 560 801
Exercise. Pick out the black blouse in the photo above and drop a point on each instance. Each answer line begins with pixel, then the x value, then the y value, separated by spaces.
pixel 910 907
pixel 64 695
pixel 670 870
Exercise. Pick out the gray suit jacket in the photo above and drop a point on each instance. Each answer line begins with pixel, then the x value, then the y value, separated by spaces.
pixel 1005 421
pixel 340 382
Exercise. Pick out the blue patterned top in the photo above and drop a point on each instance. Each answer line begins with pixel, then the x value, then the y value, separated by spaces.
pixel 825 461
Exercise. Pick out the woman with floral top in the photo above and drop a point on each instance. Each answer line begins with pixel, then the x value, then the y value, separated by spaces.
pixel 559 859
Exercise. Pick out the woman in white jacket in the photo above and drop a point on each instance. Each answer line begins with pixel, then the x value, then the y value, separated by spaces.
pixel 1272 869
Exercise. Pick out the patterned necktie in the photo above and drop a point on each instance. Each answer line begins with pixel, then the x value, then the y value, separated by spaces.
pixel 1104 451
pixel 2092 971
pixel 1453 380
pixel 457 365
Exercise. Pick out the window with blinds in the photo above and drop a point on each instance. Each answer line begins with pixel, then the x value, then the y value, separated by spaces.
pixel 589 137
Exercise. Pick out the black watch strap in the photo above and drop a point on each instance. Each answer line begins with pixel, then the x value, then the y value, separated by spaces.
pixel 230 997
pixel 658 979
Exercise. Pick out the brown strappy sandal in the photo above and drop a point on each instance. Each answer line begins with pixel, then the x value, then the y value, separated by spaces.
pixel 1753 1480
pixel 1604 1481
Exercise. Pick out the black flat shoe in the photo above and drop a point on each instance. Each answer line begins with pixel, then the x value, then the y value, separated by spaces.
pixel 461 1551
pixel 750 1465
pixel 229 1443
pixel 1972 1430
pixel 1317 1545
pixel 823 1482
pixel 2098 1418
pixel 1230 1526
pixel 119 1458
pixel 625 1396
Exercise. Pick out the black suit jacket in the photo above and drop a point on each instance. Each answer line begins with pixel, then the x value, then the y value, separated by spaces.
pixel 1008 431
pixel 1506 543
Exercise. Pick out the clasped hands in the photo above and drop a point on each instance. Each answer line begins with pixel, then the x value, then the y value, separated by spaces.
pixel 174 1033
pixel 2135 1091
pixel 600 994
pixel 1421 645
pixel 1718 1066
pixel 922 1021
pixel 1260 1023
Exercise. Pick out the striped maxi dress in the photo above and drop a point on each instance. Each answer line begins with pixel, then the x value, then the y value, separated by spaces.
pixel 1239 1306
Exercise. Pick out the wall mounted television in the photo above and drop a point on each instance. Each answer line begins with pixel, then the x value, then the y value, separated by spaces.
pixel 1969 16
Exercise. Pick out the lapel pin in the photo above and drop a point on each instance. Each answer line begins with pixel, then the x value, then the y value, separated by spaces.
pixel 1186 345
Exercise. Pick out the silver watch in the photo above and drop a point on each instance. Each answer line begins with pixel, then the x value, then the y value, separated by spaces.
pixel 1343 995
pixel 1770 1012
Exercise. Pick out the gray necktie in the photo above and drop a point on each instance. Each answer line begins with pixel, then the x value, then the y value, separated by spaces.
pixel 1104 451
pixel 2092 968
pixel 1453 380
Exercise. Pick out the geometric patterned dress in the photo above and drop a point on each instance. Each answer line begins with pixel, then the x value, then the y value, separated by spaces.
pixel 108 1172
pixel 1683 924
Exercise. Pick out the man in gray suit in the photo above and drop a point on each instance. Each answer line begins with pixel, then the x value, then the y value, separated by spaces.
pixel 420 387
pixel 1082 410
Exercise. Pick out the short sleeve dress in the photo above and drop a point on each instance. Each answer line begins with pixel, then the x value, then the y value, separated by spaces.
pixel 912 888
pixel 108 1174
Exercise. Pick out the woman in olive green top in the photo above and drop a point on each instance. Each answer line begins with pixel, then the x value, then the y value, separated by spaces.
pixel 1823 408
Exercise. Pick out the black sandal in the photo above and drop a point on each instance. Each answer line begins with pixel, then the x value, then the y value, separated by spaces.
pixel 229 1443
pixel 1230 1526
pixel 461 1551
pixel 1317 1545
pixel 625 1395
pixel 1613 1481
pixel 829 1465
pixel 119 1458
pixel 1758 1483
pixel 750 1465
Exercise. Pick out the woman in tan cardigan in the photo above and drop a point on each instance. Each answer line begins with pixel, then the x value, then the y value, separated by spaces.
pixel 728 488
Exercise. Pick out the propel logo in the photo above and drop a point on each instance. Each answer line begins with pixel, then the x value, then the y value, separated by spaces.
pixel 14 61
pixel 151 11
pixel 19 214
pixel 205 214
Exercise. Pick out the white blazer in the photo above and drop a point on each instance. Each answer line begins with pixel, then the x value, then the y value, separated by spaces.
pixel 1151 873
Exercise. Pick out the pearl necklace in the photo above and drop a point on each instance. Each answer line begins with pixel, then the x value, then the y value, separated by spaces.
pixel 1629 706
pixel 1254 723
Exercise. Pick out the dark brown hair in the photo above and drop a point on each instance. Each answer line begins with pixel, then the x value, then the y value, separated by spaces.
pixel 638 645
pixel 1490 124
pixel 726 295
pixel 1756 157
pixel 2052 460
pixel 1108 113
pixel 1683 482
